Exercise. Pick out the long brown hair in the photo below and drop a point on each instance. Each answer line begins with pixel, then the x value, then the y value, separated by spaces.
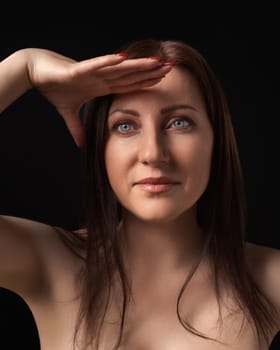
pixel 222 209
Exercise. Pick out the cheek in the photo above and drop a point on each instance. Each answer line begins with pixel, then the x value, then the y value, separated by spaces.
pixel 196 159
pixel 116 162
pixel 203 158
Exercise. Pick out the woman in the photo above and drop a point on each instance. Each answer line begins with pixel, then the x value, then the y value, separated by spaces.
pixel 162 261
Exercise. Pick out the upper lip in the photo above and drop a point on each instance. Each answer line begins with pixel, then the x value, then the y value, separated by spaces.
pixel 157 180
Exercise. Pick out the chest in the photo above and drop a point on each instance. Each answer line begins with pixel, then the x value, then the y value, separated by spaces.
pixel 153 322
pixel 160 327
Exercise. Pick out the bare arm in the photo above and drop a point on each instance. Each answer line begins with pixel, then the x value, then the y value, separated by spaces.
pixel 23 247
pixel 68 84
pixel 14 79
pixel 29 250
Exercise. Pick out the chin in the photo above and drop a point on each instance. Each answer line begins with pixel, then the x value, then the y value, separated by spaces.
pixel 157 217
pixel 157 213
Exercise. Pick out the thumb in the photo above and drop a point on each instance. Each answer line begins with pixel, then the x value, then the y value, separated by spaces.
pixel 76 129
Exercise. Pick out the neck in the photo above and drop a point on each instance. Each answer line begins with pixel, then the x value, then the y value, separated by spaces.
pixel 153 248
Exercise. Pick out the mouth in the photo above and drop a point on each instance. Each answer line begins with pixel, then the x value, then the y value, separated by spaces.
pixel 157 184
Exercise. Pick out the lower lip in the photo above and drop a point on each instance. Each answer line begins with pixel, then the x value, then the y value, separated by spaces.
pixel 156 188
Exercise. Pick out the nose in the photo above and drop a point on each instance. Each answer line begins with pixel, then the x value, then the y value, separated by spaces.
pixel 153 148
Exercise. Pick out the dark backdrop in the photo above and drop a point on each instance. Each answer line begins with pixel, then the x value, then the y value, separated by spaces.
pixel 40 165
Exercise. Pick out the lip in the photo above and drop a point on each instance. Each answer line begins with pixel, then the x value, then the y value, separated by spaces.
pixel 162 180
pixel 157 184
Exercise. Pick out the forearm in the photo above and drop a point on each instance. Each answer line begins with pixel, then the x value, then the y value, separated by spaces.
pixel 14 80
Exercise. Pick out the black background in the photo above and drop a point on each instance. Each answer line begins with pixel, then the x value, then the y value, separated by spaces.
pixel 40 164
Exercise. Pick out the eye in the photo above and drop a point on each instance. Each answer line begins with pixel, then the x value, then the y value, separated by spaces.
pixel 180 123
pixel 123 127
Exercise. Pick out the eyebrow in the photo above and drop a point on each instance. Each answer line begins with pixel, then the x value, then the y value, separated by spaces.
pixel 164 110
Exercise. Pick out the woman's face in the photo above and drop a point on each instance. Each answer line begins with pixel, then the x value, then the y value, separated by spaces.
pixel 158 154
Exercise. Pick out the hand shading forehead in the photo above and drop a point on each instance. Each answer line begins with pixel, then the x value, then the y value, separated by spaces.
pixel 177 88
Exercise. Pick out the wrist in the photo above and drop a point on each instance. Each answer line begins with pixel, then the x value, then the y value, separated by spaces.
pixel 25 57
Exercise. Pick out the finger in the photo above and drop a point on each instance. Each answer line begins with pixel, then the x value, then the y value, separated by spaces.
pixel 129 66
pixel 115 65
pixel 97 63
pixel 135 77
pixel 136 86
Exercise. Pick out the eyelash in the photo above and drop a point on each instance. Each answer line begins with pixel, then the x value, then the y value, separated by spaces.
pixel 175 119
pixel 120 123
pixel 184 119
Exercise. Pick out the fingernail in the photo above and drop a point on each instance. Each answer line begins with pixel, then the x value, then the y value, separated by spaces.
pixel 122 54
pixel 157 58
pixel 170 63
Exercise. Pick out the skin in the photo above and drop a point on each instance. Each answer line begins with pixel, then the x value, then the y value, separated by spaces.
pixel 162 238
pixel 160 224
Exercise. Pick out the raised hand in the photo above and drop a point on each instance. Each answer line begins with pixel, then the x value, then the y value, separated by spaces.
pixel 68 84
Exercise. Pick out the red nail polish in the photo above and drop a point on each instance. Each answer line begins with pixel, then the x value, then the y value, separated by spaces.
pixel 170 63
pixel 157 58
pixel 122 54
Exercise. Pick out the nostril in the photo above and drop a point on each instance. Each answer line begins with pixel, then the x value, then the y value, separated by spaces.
pixel 153 155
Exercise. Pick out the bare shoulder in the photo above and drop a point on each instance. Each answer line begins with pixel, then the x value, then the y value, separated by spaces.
pixel 264 265
pixel 74 240
pixel 263 257
pixel 38 231
pixel 21 222
pixel 32 255
pixel 27 231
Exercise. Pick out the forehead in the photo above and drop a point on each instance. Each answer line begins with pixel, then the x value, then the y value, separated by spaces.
pixel 178 86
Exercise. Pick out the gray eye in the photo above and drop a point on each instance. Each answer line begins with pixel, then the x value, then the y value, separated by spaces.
pixel 180 123
pixel 124 127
